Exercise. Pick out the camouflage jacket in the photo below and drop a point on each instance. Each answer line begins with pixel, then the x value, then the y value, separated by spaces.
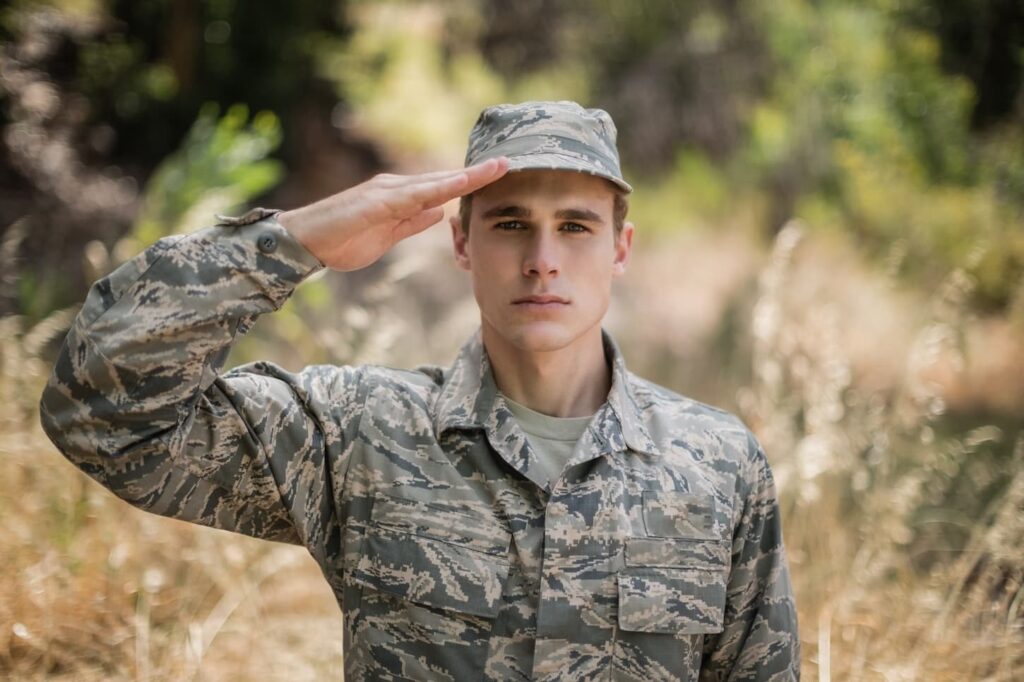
pixel 657 555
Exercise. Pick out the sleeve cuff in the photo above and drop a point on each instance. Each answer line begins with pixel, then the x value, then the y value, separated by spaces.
pixel 290 246
pixel 261 228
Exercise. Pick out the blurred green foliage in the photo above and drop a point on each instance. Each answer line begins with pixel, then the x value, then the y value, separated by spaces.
pixel 897 122
pixel 836 112
pixel 162 61
pixel 883 139
pixel 221 164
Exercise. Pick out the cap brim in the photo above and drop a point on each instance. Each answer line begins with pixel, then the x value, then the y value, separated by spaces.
pixel 549 161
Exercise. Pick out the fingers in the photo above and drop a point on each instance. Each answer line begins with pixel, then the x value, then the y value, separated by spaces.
pixel 418 222
pixel 485 173
pixel 418 178
pixel 447 187
pixel 436 188
pixel 421 178
pixel 406 200
pixel 415 198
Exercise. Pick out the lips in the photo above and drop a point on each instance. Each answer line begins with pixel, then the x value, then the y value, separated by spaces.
pixel 542 299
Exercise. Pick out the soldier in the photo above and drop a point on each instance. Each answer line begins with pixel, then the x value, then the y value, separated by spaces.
pixel 535 511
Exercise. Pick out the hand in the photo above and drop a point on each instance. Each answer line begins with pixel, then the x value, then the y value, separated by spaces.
pixel 352 229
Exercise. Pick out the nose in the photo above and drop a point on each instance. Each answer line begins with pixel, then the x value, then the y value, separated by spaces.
pixel 541 257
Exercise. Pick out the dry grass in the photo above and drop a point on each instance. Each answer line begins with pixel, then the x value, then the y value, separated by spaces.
pixel 904 524
pixel 868 460
pixel 91 589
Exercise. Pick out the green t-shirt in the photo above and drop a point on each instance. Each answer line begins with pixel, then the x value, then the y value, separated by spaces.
pixel 553 438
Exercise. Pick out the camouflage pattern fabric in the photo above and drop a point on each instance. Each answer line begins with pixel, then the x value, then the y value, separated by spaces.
pixel 552 135
pixel 658 555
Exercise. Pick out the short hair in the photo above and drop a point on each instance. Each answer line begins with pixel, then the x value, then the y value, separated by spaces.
pixel 620 207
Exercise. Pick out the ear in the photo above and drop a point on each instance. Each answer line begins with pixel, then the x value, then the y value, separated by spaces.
pixel 623 246
pixel 459 242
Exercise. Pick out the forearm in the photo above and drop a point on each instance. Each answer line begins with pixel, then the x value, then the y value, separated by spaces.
pixel 152 335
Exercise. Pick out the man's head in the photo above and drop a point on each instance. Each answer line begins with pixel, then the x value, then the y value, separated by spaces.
pixel 553 227
pixel 549 135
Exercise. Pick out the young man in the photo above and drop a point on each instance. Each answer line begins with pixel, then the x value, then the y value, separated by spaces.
pixel 535 511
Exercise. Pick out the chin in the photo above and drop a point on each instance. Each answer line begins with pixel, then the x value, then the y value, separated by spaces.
pixel 538 337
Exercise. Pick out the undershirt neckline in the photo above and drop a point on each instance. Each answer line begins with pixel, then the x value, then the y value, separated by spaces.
pixel 565 429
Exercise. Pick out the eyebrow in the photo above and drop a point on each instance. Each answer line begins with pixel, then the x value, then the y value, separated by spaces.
pixel 510 211
pixel 584 214
pixel 515 211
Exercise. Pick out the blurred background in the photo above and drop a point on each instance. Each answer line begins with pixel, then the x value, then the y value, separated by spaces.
pixel 830 244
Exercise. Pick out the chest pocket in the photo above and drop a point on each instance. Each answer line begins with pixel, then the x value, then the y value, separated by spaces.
pixel 675 576
pixel 434 555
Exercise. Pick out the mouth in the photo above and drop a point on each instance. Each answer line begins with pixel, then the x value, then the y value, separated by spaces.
pixel 544 302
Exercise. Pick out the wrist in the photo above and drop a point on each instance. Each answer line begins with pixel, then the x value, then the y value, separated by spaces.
pixel 292 221
pixel 297 223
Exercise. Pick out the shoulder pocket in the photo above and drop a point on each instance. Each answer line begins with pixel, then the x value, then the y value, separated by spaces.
pixel 434 554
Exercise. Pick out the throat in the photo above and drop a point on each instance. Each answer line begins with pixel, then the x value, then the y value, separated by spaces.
pixel 569 382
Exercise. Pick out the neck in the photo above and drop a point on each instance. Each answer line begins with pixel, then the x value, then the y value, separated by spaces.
pixel 568 382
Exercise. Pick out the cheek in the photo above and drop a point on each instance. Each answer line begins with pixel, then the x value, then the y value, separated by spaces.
pixel 490 276
pixel 492 260
pixel 596 278
pixel 596 264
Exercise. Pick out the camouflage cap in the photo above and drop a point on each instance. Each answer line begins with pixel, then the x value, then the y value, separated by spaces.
pixel 548 135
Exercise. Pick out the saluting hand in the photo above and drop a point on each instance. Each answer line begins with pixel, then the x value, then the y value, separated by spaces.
pixel 353 228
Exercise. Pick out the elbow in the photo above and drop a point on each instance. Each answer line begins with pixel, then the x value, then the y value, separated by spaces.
pixel 54 415
pixel 58 409
pixel 66 423
pixel 104 450
pixel 80 421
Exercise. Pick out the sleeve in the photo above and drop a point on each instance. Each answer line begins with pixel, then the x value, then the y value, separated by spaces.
pixel 136 400
pixel 760 640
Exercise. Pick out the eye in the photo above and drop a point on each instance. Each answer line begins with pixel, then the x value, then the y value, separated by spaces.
pixel 509 225
pixel 575 227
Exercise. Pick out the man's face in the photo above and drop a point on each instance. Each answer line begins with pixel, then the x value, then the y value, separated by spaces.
pixel 548 234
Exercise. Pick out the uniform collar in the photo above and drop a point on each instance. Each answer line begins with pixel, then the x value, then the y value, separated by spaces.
pixel 469 394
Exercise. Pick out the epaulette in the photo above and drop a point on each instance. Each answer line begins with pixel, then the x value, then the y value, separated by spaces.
pixel 251 216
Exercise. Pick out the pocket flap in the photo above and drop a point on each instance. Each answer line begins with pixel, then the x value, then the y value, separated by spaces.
pixel 671 600
pixel 441 521
pixel 708 555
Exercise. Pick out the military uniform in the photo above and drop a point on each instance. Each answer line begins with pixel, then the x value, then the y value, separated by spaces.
pixel 656 555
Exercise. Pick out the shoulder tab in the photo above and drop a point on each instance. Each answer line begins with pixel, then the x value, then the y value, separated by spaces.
pixel 252 216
